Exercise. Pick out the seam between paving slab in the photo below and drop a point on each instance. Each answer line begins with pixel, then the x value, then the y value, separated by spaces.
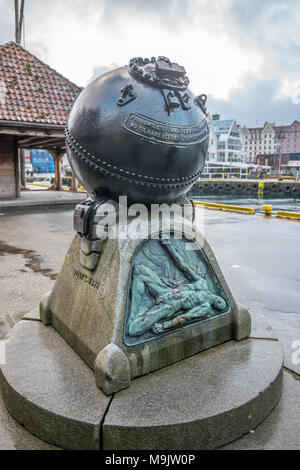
pixel 292 372
pixel 263 339
pixel 102 422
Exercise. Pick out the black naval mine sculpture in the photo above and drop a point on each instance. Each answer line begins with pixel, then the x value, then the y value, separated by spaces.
pixel 131 306
pixel 138 131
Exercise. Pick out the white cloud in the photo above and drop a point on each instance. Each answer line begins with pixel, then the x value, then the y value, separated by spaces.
pixel 223 44
pixel 213 60
pixel 291 89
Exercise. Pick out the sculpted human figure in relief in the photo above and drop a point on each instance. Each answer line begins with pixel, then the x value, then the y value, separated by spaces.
pixel 190 300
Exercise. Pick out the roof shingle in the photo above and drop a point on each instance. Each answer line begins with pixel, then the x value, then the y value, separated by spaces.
pixel 31 90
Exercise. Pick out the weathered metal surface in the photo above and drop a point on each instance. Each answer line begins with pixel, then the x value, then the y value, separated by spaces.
pixel 138 131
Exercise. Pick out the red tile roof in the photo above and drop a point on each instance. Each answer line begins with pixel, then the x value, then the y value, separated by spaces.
pixel 32 91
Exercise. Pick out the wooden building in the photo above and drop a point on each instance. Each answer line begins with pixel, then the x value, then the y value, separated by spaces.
pixel 35 101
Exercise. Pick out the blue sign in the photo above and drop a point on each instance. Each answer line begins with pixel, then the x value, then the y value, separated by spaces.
pixel 278 145
pixel 42 161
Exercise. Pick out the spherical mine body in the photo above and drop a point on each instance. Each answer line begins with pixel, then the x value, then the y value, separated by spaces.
pixel 138 131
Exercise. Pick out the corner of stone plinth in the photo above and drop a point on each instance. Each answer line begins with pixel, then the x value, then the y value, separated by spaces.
pixel 112 369
pixel 241 323
pixel 45 314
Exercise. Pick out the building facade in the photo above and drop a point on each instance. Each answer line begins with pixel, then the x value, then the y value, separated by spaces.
pixel 290 138
pixel 259 141
pixel 225 141
pixel 277 146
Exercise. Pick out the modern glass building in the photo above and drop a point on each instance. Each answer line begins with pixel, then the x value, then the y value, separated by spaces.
pixel 225 141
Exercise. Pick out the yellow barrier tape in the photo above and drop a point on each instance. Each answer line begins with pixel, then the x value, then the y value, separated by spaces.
pixel 289 215
pixel 81 188
pixel 226 207
pixel 38 184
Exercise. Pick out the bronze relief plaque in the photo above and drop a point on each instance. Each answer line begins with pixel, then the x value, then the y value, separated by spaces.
pixel 170 287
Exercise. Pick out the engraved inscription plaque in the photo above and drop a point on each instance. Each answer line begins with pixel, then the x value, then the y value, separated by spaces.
pixel 157 131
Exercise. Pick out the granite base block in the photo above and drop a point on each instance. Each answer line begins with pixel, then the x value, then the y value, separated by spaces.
pixel 201 402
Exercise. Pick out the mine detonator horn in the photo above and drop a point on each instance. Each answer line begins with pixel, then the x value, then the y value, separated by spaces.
pixel 201 101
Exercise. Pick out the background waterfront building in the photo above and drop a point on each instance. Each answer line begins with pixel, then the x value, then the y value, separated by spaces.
pixel 290 138
pixel 225 157
pixel 225 141
pixel 259 140
pixel 278 146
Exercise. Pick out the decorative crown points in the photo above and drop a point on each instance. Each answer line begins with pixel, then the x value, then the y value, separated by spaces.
pixel 160 72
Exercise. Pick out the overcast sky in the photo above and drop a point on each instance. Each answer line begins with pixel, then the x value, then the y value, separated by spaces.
pixel 244 54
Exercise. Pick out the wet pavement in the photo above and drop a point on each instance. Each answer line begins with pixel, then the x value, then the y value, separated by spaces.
pixel 41 200
pixel 32 250
pixel 260 260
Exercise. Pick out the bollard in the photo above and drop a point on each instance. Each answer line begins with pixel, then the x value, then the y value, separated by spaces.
pixel 260 191
pixel 267 208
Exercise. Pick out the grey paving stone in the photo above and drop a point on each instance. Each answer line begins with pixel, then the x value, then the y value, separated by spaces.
pixel 281 429
pixel 200 403
pixel 50 390
pixel 33 315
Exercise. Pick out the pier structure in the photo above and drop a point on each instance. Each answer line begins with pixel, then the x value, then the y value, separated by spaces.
pixel 246 187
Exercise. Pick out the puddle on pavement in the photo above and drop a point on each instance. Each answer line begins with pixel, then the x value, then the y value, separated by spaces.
pixel 33 260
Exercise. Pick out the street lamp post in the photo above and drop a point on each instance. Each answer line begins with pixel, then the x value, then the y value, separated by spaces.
pixel 278 155
pixel 19 17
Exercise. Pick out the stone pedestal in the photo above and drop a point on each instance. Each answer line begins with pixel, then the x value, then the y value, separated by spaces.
pixel 124 307
pixel 202 402
pixel 108 291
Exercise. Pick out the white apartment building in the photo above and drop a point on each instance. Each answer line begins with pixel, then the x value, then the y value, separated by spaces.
pixel 225 141
pixel 259 141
